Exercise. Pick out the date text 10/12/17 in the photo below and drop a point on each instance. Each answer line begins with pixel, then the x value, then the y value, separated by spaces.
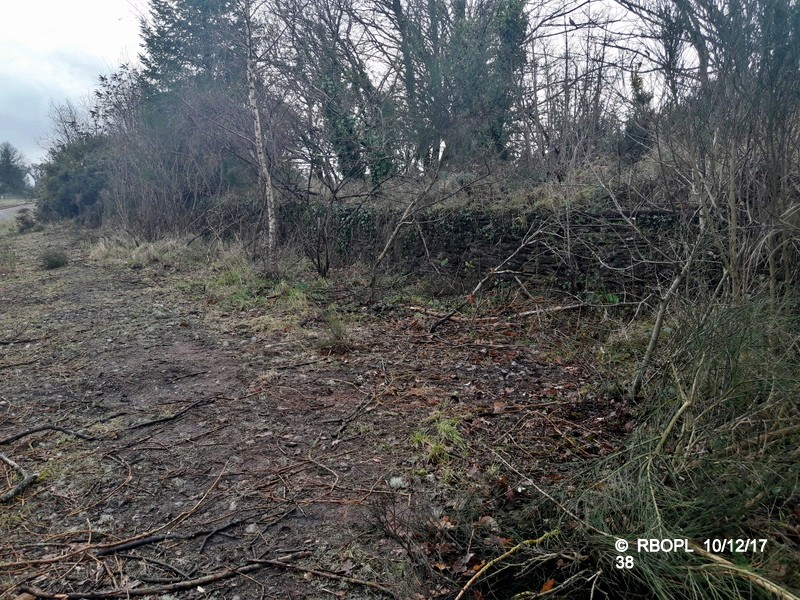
pixel 715 545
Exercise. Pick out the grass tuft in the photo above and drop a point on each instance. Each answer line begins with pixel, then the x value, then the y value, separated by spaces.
pixel 25 221
pixel 53 259
pixel 338 338
pixel 714 458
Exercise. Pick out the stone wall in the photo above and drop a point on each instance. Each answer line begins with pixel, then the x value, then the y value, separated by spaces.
pixel 601 251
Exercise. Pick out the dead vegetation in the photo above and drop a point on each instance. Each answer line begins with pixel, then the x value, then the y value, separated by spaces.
pixel 184 427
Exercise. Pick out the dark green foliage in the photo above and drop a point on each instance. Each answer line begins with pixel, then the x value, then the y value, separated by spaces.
pixel 356 134
pixel 53 259
pixel 191 40
pixel 12 170
pixel 342 126
pixel 463 67
pixel 72 179
pixel 638 136
pixel 511 26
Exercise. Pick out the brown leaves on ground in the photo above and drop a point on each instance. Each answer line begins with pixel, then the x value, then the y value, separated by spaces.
pixel 217 442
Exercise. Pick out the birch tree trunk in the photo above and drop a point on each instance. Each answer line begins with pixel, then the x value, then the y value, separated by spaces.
pixel 264 173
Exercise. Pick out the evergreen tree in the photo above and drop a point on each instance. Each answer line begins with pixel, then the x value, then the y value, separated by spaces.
pixel 486 56
pixel 12 170
pixel 638 134
pixel 191 41
pixel 72 178
pixel 511 25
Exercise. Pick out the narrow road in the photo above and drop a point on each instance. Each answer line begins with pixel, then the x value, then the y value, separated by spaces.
pixel 6 214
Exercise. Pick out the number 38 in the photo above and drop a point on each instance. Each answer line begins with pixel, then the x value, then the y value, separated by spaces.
pixel 624 562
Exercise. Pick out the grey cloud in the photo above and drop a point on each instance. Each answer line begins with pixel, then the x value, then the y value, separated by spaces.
pixel 26 95
pixel 23 116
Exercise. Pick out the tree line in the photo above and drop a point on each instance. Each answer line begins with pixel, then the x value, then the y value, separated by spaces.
pixel 240 106
pixel 13 171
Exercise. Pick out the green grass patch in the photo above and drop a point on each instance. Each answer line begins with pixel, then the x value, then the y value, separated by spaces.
pixel 439 439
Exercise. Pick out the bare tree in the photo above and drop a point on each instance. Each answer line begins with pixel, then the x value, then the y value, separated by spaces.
pixel 260 134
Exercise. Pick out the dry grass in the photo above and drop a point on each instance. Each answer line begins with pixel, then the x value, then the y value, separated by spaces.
pixel 171 253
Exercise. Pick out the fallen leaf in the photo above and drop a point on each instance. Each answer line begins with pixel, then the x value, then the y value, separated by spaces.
pixel 504 542
pixel 462 565
pixel 446 522
pixel 548 585
pixel 489 523
pixel 477 566
pixel 347 566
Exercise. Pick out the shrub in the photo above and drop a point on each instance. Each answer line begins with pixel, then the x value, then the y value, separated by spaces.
pixel 53 259
pixel 25 221
pixel 715 457
pixel 73 177
pixel 338 339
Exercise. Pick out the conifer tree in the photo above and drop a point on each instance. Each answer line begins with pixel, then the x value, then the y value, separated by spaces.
pixel 12 169
pixel 191 41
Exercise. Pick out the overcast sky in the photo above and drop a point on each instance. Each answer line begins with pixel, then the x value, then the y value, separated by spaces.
pixel 54 50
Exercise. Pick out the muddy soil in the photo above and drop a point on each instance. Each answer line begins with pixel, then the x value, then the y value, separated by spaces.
pixel 183 445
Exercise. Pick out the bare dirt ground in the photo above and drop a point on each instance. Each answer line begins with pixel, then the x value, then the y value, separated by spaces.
pixel 183 453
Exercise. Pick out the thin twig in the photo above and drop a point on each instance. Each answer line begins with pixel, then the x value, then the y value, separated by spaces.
pixel 20 341
pixel 327 574
pixel 18 436
pixel 171 417
pixel 137 543
pixel 158 563
pixel 187 375
pixel 354 413
pixel 186 584
pixel 762 440
pixel 529 481
pixel 527 240
pixel 644 365
pixel 28 479
pixel 553 590
pixel 19 364
pixel 754 578
pixel 222 528
pixel 501 558
pixel 551 309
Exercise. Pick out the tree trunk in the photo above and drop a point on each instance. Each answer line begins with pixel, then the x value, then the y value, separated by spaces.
pixel 264 174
